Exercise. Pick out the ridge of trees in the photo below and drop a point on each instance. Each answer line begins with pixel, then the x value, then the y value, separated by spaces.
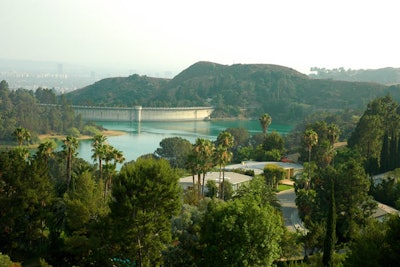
pixel 239 90
pixel 21 109
pixel 388 76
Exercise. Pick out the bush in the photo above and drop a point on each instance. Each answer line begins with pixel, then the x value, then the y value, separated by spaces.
pixel 91 130
pixel 73 132
pixel 7 262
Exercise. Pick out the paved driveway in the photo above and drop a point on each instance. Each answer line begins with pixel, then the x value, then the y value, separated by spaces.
pixel 289 210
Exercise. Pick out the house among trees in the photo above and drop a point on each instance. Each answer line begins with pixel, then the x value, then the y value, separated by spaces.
pixel 235 179
pixel 290 168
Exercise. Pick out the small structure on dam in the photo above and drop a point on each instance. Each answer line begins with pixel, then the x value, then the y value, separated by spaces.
pixel 139 113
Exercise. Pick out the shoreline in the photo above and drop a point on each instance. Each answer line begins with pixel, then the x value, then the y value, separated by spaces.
pixel 106 133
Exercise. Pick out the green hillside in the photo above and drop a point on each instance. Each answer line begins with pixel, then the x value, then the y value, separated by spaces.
pixel 239 90
pixel 388 76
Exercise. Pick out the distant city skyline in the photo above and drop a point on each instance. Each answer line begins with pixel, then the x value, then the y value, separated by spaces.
pixel 158 36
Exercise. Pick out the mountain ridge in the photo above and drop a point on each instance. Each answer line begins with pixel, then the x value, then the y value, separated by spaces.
pixel 238 90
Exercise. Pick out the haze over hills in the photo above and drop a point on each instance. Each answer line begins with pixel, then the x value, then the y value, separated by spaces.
pixel 61 76
pixel 239 90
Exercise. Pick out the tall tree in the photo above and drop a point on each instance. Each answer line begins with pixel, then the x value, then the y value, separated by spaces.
pixel 203 151
pixel 116 156
pixel 175 150
pixel 376 244
pixel 273 174
pixel 265 121
pixel 310 138
pixel 70 145
pixel 45 151
pixel 99 149
pixel 25 206
pixel 84 208
pixel 22 135
pixel 230 236
pixel 353 203
pixel 223 155
pixel 330 236
pixel 146 195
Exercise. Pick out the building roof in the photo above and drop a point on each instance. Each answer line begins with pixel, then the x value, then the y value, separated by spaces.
pixel 232 177
pixel 258 167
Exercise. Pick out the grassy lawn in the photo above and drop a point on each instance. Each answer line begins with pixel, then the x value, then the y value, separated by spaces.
pixel 283 187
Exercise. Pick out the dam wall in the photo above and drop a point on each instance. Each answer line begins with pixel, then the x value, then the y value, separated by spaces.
pixel 139 113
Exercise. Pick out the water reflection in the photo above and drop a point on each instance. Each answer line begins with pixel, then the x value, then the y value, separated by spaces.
pixel 144 138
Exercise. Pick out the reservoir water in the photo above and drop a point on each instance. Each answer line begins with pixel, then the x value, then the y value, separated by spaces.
pixel 144 138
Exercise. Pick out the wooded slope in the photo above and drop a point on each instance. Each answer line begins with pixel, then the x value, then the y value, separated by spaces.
pixel 239 90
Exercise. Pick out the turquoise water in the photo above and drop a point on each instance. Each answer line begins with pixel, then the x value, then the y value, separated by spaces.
pixel 144 138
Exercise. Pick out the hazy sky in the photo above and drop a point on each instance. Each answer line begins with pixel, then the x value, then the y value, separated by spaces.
pixel 171 35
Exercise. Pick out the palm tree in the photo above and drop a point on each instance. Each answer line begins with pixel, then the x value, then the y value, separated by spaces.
pixel 333 136
pixel 203 151
pixel 333 133
pixel 45 150
pixel 194 167
pixel 99 149
pixel 115 155
pixel 21 134
pixel 310 140
pixel 265 121
pixel 22 152
pixel 70 145
pixel 225 141
pixel 222 157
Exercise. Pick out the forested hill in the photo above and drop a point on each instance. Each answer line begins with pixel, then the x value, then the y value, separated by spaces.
pixel 239 90
pixel 388 76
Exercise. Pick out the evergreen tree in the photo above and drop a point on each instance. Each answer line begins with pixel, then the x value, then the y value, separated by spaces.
pixel 175 150
pixel 330 236
pixel 145 196
pixel 25 205
pixel 230 236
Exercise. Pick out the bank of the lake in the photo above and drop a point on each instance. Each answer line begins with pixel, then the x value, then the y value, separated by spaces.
pixel 59 137
pixel 144 138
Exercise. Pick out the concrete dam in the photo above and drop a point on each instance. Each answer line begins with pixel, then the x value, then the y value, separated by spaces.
pixel 139 113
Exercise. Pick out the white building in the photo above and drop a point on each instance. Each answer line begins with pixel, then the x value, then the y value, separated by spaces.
pixel 236 179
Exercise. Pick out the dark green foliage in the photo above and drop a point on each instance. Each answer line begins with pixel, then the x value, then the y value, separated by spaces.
pixel 175 150
pixel 145 196
pixel 46 96
pixel 377 133
pixel 231 236
pixel 387 190
pixel 273 174
pixel 351 194
pixel 258 190
pixel 129 91
pixel 376 245
pixel 185 250
pixel 84 211
pixel 274 141
pixel 21 108
pixel 330 236
pixel 383 75
pixel 212 189
pixel 25 205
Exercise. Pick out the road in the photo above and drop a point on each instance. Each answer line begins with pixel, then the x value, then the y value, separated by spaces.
pixel 289 210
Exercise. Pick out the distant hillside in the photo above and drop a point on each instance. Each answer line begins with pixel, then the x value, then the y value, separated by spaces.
pixel 121 91
pixel 247 90
pixel 388 76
